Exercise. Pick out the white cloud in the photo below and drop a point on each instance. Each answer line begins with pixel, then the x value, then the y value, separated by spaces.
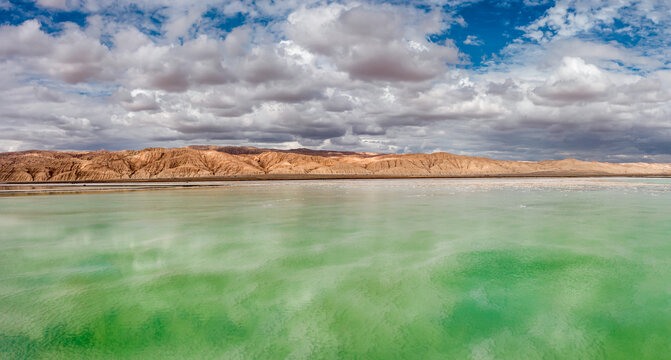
pixel 370 44
pixel 24 40
pixel 574 81
pixel 473 40
pixel 358 76
pixel 58 4
pixel 568 18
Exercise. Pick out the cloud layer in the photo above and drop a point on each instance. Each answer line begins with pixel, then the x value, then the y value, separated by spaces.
pixel 366 76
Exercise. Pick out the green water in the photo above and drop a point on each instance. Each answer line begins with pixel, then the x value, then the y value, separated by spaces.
pixel 375 269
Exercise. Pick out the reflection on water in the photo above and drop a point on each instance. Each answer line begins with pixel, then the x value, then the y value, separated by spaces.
pixel 79 188
pixel 496 268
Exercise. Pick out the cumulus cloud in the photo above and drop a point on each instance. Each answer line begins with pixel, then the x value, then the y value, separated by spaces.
pixel 574 81
pixel 473 40
pixel 58 4
pixel 357 76
pixel 370 44
pixel 24 40
pixel 137 101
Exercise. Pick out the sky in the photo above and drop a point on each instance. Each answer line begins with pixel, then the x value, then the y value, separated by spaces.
pixel 508 79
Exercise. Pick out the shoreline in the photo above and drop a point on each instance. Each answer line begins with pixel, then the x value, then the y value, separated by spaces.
pixel 11 189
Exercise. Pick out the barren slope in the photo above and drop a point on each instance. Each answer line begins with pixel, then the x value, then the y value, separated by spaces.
pixel 213 161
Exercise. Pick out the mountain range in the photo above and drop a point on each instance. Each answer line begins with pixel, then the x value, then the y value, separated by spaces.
pixel 240 162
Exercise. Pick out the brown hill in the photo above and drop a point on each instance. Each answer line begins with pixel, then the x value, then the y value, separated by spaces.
pixel 231 161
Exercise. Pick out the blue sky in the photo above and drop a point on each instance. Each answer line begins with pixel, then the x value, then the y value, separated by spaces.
pixel 491 25
pixel 527 79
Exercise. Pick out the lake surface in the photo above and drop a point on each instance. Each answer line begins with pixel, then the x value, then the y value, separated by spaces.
pixel 368 269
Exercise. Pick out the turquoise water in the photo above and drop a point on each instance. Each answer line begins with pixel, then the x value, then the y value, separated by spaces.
pixel 373 269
